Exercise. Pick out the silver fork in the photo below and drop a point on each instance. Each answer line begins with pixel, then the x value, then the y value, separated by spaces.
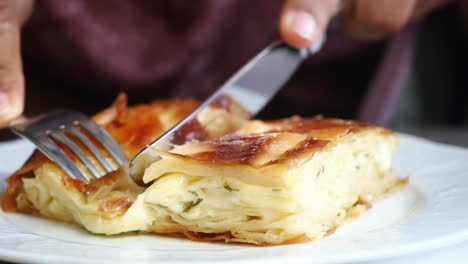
pixel 67 127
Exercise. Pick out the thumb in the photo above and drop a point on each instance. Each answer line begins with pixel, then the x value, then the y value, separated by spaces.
pixel 303 21
pixel 11 73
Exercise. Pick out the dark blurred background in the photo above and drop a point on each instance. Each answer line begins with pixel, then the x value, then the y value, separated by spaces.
pixel 433 103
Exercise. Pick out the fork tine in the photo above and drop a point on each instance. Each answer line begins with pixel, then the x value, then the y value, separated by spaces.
pixel 106 140
pixel 62 138
pixel 60 127
pixel 56 154
pixel 84 139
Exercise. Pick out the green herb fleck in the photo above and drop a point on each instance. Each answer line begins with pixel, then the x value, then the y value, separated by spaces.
pixel 229 188
pixel 162 206
pixel 192 204
pixel 358 167
pixel 276 189
pixel 320 171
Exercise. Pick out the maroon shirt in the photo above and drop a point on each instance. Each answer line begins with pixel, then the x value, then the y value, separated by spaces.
pixel 159 48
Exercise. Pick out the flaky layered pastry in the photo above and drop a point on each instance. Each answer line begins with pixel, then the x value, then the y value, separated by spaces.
pixel 228 179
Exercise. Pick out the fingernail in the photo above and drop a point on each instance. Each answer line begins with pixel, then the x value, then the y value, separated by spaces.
pixel 4 101
pixel 302 23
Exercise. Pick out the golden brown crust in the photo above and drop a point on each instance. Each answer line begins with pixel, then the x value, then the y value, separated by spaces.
pixel 250 150
pixel 135 127
pixel 115 206
pixel 318 127
pixel 14 183
pixel 255 144
pixel 297 124
pixel 92 186
pixel 227 237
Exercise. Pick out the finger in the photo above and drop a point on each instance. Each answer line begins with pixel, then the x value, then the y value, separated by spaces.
pixel 303 21
pixel 375 19
pixel 11 75
pixel 24 9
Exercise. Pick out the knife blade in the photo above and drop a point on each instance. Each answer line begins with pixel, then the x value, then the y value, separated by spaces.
pixel 253 86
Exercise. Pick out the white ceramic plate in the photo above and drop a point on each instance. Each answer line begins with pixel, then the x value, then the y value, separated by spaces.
pixel 430 213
